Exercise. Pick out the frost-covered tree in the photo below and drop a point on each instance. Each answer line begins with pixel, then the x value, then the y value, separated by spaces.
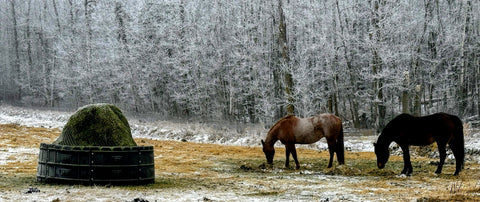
pixel 244 61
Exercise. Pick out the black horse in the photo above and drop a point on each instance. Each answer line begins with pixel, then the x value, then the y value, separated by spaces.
pixel 408 130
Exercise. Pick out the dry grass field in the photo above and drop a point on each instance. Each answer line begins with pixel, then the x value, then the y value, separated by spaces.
pixel 187 171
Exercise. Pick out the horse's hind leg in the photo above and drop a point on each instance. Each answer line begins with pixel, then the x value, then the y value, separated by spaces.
pixel 407 164
pixel 443 154
pixel 287 155
pixel 459 154
pixel 294 155
pixel 331 150
pixel 339 148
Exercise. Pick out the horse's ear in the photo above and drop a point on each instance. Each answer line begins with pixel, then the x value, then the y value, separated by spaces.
pixel 263 143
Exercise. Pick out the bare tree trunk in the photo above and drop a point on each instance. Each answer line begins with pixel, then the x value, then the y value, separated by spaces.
pixel 477 82
pixel 376 65
pixel 29 48
pixel 88 28
pixel 352 73
pixel 71 57
pixel 56 63
pixel 333 104
pixel 46 71
pixel 120 16
pixel 418 74
pixel 464 64
pixel 57 17
pixel 88 4
pixel 286 60
pixel 122 39
pixel 405 95
pixel 432 47
pixel 16 62
pixel 405 99
pixel 335 94
pixel 417 101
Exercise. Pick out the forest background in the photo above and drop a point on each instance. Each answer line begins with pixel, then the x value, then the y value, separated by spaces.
pixel 250 61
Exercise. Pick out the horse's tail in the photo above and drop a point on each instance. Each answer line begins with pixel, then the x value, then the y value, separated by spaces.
pixel 457 143
pixel 339 148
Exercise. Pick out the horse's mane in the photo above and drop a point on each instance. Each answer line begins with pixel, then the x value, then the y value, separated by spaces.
pixel 275 126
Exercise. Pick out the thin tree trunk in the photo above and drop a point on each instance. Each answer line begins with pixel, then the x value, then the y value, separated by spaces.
pixel 288 79
pixel 351 71
pixel 477 82
pixel 376 65
pixel 405 95
pixel 56 62
pixel 57 17
pixel 334 65
pixel 88 48
pixel 463 69
pixel 89 34
pixel 29 49
pixel 16 62
pixel 46 71
pixel 418 74
pixel 71 57
pixel 122 37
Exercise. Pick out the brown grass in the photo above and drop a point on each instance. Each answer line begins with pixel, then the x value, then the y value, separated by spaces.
pixel 14 135
pixel 186 165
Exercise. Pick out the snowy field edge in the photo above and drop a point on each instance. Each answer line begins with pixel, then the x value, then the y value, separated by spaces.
pixel 247 135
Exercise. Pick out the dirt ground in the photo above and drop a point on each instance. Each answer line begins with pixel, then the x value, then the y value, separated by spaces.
pixel 186 171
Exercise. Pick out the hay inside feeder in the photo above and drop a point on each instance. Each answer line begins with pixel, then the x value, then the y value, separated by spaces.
pixel 97 125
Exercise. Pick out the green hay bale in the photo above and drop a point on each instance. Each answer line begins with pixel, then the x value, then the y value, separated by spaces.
pixel 97 125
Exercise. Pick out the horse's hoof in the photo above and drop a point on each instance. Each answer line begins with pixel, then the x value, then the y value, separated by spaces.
pixel 402 175
pixel 406 174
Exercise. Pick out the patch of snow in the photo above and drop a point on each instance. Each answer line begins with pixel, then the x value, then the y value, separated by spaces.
pixel 117 194
pixel 15 154
pixel 32 117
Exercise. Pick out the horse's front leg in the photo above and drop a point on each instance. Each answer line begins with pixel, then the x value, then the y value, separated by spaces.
pixel 443 154
pixel 290 147
pixel 407 164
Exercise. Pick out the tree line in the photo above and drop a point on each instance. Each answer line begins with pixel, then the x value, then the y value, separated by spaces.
pixel 244 61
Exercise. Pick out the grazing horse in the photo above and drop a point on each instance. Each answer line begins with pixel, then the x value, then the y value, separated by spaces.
pixel 291 130
pixel 408 130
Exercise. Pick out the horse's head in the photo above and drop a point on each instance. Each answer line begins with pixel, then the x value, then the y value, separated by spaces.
pixel 269 152
pixel 381 150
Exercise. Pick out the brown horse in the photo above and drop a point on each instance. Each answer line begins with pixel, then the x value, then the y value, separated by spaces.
pixel 291 130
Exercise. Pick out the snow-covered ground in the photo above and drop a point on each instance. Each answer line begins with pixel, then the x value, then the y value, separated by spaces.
pixel 245 135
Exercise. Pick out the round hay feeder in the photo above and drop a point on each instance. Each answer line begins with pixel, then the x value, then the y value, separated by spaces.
pixel 96 164
pixel 96 147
